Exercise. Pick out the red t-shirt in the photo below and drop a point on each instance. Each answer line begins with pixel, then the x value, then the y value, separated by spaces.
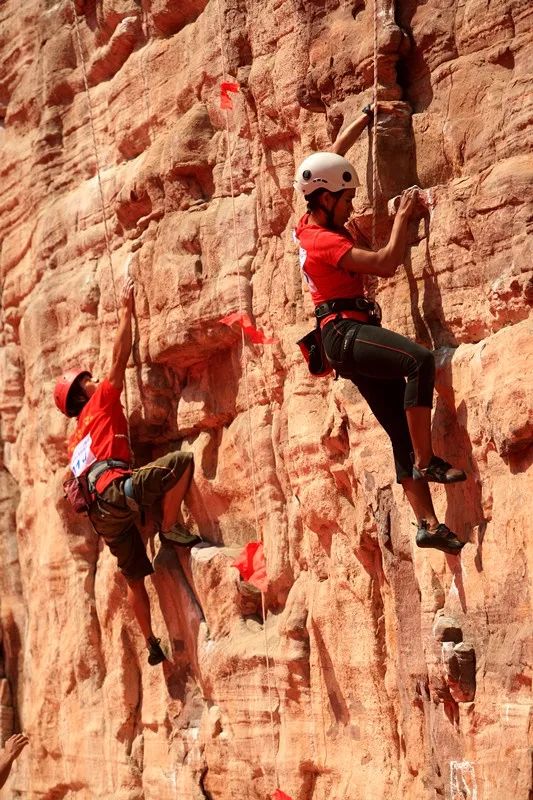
pixel 320 253
pixel 101 433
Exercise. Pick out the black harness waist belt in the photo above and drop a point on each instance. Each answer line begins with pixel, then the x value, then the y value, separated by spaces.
pixel 102 466
pixel 346 304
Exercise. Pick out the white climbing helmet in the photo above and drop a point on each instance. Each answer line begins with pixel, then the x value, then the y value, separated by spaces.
pixel 325 171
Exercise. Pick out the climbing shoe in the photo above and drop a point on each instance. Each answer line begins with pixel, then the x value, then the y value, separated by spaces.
pixel 178 534
pixel 155 653
pixel 442 538
pixel 439 471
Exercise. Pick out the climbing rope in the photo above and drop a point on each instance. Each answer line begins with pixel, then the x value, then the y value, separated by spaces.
pixel 375 175
pixel 101 194
pixel 144 74
pixel 321 762
pixel 375 189
pixel 95 150
pixel 247 389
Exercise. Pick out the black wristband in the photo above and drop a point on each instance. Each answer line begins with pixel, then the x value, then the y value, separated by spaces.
pixel 368 111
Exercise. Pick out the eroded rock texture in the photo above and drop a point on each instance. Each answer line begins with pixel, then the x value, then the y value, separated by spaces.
pixel 394 673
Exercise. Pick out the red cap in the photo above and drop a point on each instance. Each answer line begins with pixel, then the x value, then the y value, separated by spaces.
pixel 64 385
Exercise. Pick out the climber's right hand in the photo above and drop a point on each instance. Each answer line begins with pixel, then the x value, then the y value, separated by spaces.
pixel 127 294
pixel 15 744
pixel 408 202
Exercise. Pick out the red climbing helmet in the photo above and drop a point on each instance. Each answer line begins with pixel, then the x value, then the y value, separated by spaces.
pixel 64 385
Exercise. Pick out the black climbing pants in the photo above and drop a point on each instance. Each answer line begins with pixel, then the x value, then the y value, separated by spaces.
pixel 391 372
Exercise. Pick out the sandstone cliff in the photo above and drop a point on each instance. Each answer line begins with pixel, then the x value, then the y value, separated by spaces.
pixel 394 673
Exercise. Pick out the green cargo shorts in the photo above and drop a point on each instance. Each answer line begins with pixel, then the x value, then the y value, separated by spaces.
pixel 116 522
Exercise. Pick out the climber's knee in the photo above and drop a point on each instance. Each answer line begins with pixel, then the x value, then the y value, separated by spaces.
pixel 152 481
pixel 427 365
pixel 420 379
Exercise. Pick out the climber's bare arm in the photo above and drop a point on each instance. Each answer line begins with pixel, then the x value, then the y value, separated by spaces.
pixel 12 748
pixel 350 134
pixel 385 261
pixel 123 338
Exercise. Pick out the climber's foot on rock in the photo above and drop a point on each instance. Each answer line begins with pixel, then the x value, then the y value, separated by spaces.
pixel 438 471
pixel 249 599
pixel 439 537
pixel 155 653
pixel 248 589
pixel 178 534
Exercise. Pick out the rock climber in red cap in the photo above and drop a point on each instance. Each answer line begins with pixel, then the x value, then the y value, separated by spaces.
pixel 395 375
pixel 105 485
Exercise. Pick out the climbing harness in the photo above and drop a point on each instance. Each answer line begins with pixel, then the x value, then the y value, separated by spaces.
pixel 80 490
pixel 358 308
pixel 369 309
pixel 98 469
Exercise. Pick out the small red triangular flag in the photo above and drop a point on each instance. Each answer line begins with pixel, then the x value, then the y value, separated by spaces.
pixel 279 795
pixel 242 319
pixel 252 566
pixel 225 99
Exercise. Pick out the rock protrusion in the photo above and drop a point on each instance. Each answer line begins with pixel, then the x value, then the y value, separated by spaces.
pixel 458 658
pixel 108 59
pixel 460 662
pixel 446 629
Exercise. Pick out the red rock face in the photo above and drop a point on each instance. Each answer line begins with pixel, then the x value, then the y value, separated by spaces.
pixel 393 672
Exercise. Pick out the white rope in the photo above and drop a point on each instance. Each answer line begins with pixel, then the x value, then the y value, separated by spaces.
pixel 144 74
pixel 95 149
pixel 375 175
pixel 101 193
pixel 321 763
pixel 247 391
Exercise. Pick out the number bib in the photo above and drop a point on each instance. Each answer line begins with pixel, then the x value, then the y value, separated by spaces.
pixel 82 457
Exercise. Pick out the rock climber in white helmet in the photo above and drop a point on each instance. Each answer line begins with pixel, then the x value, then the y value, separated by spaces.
pixel 395 375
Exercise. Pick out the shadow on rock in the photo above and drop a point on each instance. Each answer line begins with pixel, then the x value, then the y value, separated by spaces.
pixel 464 513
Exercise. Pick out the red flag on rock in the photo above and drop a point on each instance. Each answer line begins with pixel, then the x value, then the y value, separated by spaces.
pixel 251 564
pixel 242 319
pixel 279 795
pixel 225 99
